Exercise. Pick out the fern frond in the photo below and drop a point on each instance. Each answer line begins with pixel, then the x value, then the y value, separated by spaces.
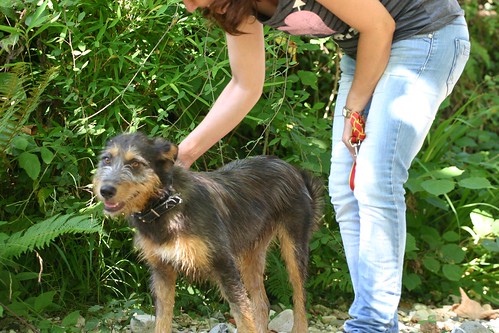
pixel 40 234
pixel 277 283
pixel 17 102
pixel 13 82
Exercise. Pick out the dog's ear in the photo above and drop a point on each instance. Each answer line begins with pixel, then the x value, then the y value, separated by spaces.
pixel 167 150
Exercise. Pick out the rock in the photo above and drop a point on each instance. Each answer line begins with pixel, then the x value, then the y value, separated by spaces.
pixel 212 322
pixel 218 315
pixel 429 327
pixel 321 309
pixel 283 322
pixel 448 325
pixel 494 325
pixel 422 314
pixel 471 327
pixel 443 313
pixel 142 323
pixel 223 328
pixel 419 306
pixel 329 319
pixel 183 320
pixel 340 314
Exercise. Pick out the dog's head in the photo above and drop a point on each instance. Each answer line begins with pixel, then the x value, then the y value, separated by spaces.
pixel 132 170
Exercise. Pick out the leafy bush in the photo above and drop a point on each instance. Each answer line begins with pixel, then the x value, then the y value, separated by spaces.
pixel 75 73
pixel 452 195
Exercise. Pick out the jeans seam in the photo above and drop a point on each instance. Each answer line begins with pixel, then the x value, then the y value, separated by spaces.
pixel 394 201
pixel 450 82
pixel 431 36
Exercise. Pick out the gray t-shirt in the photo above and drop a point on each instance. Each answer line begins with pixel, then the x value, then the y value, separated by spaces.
pixel 310 18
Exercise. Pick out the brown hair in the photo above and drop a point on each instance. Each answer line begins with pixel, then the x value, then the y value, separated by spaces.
pixel 229 14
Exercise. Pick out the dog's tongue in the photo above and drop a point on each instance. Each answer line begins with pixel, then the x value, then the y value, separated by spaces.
pixel 110 206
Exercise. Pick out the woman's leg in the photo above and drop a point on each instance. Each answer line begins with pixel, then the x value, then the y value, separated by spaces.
pixel 421 72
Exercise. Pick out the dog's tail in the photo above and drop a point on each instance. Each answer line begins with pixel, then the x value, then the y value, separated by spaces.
pixel 315 189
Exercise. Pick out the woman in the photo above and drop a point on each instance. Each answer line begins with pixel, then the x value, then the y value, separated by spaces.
pixel 401 59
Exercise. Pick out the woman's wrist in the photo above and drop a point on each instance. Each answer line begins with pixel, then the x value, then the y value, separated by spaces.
pixel 186 156
pixel 347 112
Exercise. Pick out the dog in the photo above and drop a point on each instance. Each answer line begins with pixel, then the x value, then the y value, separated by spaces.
pixel 215 226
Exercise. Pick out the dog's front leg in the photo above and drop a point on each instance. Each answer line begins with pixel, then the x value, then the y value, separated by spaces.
pixel 163 285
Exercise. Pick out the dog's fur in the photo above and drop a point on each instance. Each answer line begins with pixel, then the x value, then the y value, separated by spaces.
pixel 220 230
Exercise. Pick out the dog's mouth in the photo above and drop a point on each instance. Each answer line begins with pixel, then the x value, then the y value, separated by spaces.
pixel 113 207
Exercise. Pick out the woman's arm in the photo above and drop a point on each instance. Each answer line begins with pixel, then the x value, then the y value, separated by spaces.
pixel 376 27
pixel 247 63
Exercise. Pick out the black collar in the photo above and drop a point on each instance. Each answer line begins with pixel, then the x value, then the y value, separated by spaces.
pixel 157 208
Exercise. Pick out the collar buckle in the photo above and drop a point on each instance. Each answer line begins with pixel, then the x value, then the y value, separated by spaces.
pixel 165 204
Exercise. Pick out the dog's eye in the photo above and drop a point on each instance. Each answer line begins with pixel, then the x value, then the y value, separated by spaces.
pixel 135 164
pixel 106 160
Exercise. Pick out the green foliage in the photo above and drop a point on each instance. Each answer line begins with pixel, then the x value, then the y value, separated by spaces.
pixel 75 73
pixel 277 283
pixel 453 183
pixel 17 104
pixel 39 235
pixel 328 268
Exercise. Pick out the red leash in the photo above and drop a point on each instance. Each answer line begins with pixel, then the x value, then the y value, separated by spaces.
pixel 358 135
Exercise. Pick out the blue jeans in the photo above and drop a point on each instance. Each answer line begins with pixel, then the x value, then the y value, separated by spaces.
pixel 421 72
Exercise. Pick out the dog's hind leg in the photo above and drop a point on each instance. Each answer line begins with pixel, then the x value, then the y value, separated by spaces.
pixel 252 268
pixel 295 254
pixel 232 288
pixel 163 285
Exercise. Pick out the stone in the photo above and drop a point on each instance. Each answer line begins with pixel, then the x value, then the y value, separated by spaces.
pixel 494 325
pixel 422 314
pixel 223 328
pixel 329 319
pixel 142 323
pixel 471 327
pixel 321 309
pixel 283 322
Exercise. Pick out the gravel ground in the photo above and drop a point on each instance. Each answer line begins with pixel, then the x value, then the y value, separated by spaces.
pixel 419 318
pixel 414 318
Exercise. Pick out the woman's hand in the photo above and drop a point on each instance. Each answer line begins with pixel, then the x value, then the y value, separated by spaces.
pixel 347 135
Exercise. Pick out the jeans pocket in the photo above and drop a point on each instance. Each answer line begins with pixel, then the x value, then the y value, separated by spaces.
pixel 461 56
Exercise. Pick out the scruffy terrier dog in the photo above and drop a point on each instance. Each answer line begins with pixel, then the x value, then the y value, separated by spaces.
pixel 212 225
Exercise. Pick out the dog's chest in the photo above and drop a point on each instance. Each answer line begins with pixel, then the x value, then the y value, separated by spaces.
pixel 188 254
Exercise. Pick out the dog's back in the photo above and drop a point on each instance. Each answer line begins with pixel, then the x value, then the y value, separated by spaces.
pixel 252 197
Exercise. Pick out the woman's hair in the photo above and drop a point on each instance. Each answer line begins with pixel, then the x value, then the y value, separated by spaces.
pixel 229 14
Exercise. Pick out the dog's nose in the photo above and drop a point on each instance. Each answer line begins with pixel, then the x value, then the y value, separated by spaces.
pixel 107 191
